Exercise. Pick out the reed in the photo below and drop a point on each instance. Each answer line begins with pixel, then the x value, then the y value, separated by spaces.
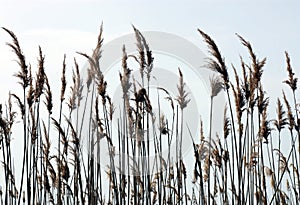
pixel 232 167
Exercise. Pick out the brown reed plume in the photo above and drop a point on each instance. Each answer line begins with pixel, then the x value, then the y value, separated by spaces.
pixel 218 62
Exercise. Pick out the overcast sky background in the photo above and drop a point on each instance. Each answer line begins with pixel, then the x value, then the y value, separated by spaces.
pixel 66 26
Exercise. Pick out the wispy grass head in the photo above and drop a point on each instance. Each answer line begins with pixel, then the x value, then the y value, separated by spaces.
pixel 149 56
pixel 182 94
pixel 23 74
pixel 265 129
pixel 48 95
pixel 262 101
pixel 290 116
pixel 140 49
pixel 218 63
pixel 226 124
pixel 97 53
pixel 31 91
pixel 292 81
pixel 125 76
pixel 40 77
pixel 281 120
pixel 257 65
pixel 216 85
pixel 63 81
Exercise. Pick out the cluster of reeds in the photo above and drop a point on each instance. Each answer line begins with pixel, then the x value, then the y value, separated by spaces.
pixel 246 164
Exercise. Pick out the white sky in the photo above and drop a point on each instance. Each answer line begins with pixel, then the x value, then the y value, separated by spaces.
pixel 64 27
pixel 68 26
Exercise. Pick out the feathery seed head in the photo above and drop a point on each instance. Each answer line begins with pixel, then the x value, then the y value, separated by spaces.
pixel 182 94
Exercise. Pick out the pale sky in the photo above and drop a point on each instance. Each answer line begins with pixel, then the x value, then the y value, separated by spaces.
pixel 72 25
pixel 64 27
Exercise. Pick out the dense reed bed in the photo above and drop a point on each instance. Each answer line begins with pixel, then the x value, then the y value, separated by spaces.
pixel 246 164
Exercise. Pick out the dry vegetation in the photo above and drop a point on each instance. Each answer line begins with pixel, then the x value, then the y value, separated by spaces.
pixel 245 164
